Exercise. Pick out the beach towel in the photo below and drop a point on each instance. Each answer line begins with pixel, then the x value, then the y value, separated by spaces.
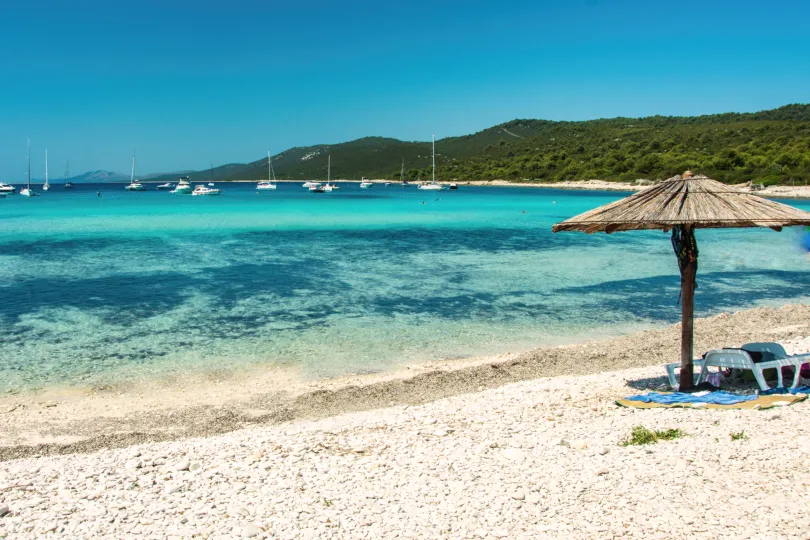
pixel 715 398
pixel 782 390
pixel 760 403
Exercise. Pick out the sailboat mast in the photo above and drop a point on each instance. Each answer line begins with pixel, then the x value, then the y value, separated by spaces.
pixel 132 175
pixel 329 170
pixel 434 158
pixel 29 162
pixel 67 169
pixel 46 166
pixel 402 171
pixel 268 165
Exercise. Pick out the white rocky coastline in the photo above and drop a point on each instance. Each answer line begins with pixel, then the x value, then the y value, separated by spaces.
pixel 528 460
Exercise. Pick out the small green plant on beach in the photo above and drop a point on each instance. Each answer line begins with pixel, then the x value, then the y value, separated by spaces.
pixel 741 436
pixel 641 435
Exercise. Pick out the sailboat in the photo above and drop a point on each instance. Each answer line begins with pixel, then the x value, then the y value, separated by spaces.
pixel 27 191
pixel 365 183
pixel 318 188
pixel 432 186
pixel 268 184
pixel 46 186
pixel 329 187
pixel 134 185
pixel 68 185
pixel 402 180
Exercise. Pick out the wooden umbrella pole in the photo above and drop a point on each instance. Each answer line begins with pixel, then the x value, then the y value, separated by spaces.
pixel 687 325
pixel 685 246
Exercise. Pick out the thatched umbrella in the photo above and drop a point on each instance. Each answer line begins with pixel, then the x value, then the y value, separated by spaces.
pixel 683 204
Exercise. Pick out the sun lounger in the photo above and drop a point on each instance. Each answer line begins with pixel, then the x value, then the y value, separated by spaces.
pixel 673 382
pixel 741 359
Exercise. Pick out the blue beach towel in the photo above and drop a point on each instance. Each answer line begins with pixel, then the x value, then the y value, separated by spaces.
pixel 714 398
pixel 783 390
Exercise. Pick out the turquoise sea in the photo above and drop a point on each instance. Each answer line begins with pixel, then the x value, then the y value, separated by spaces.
pixel 96 290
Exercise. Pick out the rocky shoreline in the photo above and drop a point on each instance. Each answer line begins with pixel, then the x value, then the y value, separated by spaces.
pixel 778 192
pixel 85 421
pixel 537 458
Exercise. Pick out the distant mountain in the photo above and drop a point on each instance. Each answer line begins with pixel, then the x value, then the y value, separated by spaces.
pixel 95 177
pixel 100 177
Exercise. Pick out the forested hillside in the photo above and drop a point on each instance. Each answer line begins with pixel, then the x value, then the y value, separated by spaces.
pixel 769 146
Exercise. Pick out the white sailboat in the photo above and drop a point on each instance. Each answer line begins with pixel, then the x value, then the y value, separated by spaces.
pixel 68 185
pixel 432 186
pixel 329 187
pixel 134 185
pixel 317 187
pixel 27 191
pixel 268 184
pixel 46 186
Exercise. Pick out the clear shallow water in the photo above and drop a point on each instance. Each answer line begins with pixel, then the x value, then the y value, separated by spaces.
pixel 97 290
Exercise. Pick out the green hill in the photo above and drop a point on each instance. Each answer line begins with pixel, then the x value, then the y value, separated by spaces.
pixel 769 146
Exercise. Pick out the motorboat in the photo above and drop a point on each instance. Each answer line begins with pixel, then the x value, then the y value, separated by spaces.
pixel 166 186
pixel 316 188
pixel 328 188
pixel 200 189
pixel 134 185
pixel 27 191
pixel 268 185
pixel 183 186
pixel 453 186
pixel 210 184
pixel 432 186
pixel 5 188
pixel 365 183
pixel 310 183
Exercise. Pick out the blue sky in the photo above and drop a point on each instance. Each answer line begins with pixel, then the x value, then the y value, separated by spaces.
pixel 189 83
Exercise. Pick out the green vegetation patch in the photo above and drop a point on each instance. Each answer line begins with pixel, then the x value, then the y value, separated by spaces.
pixel 641 435
pixel 740 436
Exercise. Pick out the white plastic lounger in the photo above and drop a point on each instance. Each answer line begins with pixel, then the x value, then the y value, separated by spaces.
pixel 740 359
pixel 697 363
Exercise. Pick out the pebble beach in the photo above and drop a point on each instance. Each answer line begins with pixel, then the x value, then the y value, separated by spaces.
pixel 541 457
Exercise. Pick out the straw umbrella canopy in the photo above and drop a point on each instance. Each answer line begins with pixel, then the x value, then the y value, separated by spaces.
pixel 682 204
